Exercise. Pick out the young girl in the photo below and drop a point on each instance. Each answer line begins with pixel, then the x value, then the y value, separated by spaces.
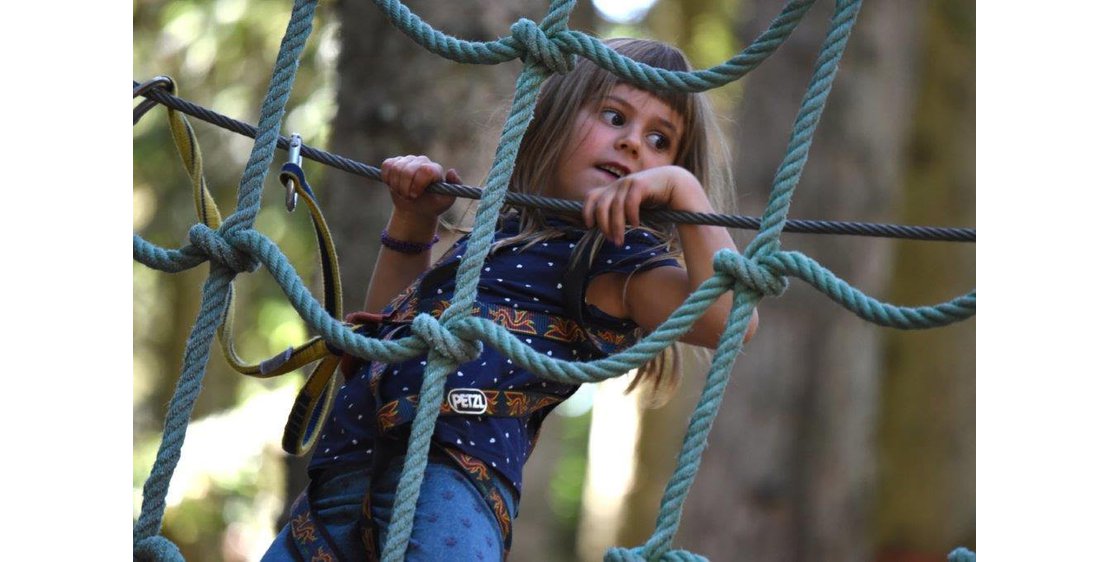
pixel 573 287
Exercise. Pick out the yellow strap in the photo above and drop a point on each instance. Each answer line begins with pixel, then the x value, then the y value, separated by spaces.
pixel 310 409
pixel 189 151
pixel 316 397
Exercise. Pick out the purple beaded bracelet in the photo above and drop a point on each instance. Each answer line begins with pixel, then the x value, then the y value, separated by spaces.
pixel 406 247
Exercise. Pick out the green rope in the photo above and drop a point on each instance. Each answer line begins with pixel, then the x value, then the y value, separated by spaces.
pixel 481 238
pixel 558 44
pixel 457 337
pixel 790 171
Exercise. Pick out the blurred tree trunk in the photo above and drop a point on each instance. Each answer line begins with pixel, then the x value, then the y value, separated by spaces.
pixel 396 98
pixel 790 471
pixel 927 496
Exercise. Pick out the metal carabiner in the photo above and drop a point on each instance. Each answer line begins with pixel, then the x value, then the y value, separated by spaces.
pixel 161 82
pixel 294 158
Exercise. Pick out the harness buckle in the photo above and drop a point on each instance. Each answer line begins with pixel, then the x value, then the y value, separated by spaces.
pixel 294 158
pixel 467 401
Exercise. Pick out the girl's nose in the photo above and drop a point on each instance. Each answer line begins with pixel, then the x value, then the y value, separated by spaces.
pixel 629 143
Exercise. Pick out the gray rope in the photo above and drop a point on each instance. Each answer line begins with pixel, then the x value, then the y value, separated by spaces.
pixel 797 226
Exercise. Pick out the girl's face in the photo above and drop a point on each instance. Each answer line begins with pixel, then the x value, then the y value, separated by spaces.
pixel 625 132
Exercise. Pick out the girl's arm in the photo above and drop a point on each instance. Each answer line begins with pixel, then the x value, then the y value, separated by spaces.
pixel 394 270
pixel 648 298
pixel 414 219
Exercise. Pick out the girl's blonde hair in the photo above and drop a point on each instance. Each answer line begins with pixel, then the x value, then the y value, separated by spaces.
pixel 701 150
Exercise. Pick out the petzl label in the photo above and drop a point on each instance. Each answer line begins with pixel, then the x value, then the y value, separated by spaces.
pixel 467 401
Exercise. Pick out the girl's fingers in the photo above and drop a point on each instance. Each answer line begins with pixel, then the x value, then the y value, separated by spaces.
pixel 425 175
pixel 408 181
pixel 393 173
pixel 453 176
pixel 403 178
pixel 616 215
pixel 588 208
pixel 408 177
pixel 601 214
pixel 597 211
pixel 387 172
pixel 632 204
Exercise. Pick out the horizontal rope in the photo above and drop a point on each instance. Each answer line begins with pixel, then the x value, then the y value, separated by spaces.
pixel 474 329
pixel 797 226
pixel 553 46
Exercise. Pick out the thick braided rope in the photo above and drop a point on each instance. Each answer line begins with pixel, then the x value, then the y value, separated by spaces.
pixel 786 179
pixel 961 554
pixel 270 256
pixel 619 554
pixel 728 276
pixel 807 269
pixel 556 45
pixel 765 242
pixel 225 263
pixel 197 348
pixel 157 547
pixel 697 433
pixel 269 125
pixel 751 274
pixel 431 393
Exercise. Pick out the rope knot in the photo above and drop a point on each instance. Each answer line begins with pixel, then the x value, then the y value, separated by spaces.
pixel 212 243
pixel 539 46
pixel 157 548
pixel 961 554
pixel 443 341
pixel 621 554
pixel 749 273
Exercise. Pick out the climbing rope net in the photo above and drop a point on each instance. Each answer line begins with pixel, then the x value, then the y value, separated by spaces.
pixel 233 246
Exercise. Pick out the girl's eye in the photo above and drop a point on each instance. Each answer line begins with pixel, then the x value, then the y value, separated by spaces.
pixel 659 141
pixel 612 117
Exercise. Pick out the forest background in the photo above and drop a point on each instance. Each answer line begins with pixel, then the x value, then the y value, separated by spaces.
pixel 837 440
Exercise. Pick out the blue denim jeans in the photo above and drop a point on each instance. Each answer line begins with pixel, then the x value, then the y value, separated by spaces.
pixel 452 523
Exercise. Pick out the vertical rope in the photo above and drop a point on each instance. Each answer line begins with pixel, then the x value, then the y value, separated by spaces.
pixel 697 433
pixel 432 390
pixel 786 179
pixel 197 348
pixel 217 287
pixel 273 110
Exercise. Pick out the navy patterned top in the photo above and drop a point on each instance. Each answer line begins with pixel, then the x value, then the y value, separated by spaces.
pixel 521 290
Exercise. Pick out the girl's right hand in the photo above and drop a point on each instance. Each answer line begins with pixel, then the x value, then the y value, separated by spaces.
pixel 408 177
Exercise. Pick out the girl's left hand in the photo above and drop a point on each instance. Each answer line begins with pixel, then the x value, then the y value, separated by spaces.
pixel 613 207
